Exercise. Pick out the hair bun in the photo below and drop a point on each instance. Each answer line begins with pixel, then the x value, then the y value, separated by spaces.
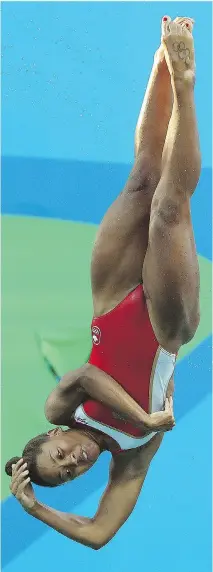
pixel 8 466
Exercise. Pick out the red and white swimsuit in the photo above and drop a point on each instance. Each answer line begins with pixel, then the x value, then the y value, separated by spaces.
pixel 125 347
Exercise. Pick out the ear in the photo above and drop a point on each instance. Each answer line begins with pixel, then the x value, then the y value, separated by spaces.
pixel 54 432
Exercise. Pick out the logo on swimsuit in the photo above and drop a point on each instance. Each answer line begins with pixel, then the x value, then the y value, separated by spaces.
pixel 80 420
pixel 96 335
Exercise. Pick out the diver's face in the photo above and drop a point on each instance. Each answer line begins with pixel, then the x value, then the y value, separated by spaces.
pixel 66 455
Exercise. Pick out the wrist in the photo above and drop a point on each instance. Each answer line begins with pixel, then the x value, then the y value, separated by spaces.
pixel 148 422
pixel 152 421
pixel 34 509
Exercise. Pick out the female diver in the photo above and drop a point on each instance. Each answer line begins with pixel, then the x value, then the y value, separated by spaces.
pixel 145 286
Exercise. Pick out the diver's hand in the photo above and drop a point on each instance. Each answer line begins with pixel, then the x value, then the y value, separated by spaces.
pixel 163 420
pixel 21 487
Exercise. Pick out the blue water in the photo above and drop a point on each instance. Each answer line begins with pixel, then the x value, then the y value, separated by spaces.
pixel 73 80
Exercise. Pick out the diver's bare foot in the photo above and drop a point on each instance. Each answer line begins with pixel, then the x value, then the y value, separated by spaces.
pixel 178 44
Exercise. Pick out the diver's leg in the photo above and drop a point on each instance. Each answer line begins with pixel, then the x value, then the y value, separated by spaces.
pixel 155 111
pixel 122 238
pixel 170 272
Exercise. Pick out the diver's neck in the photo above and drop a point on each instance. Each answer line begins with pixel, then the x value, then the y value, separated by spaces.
pixel 105 442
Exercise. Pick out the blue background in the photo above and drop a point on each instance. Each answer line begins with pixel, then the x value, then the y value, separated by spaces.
pixel 74 76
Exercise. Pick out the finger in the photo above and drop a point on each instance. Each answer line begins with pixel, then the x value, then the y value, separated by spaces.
pixel 20 470
pixel 171 402
pixel 21 488
pixel 20 478
pixel 16 466
pixel 166 407
pixel 16 483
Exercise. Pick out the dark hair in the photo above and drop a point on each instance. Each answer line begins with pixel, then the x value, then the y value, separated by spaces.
pixel 30 452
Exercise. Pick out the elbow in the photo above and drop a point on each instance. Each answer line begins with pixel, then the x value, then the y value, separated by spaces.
pixel 97 543
pixel 49 412
pixel 50 418
pixel 100 544
pixel 102 540
pixel 99 539
pixel 96 546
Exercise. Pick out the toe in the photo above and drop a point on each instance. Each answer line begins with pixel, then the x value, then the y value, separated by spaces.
pixel 165 25
pixel 185 22
pixel 187 28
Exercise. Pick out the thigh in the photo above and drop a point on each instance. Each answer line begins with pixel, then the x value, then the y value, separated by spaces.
pixel 122 239
pixel 171 276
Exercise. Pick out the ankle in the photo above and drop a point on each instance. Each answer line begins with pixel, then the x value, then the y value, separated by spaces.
pixel 183 83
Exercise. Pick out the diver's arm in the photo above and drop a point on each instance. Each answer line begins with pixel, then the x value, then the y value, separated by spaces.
pixel 65 398
pixel 91 382
pixel 103 388
pixel 127 474
pixel 115 507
